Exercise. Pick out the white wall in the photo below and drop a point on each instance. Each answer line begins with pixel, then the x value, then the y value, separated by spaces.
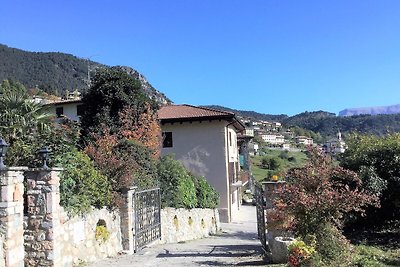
pixel 70 110
pixel 200 146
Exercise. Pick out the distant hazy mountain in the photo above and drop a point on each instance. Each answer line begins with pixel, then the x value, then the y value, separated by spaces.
pixel 56 72
pixel 327 124
pixel 251 114
pixel 395 109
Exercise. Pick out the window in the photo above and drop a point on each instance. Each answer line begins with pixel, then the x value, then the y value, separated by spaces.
pixel 79 110
pixel 167 139
pixel 230 139
pixel 59 111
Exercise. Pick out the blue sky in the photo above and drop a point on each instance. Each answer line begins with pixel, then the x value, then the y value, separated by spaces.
pixel 270 56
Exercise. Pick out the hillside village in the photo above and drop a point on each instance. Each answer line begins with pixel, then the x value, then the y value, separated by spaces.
pixel 272 133
pixel 177 172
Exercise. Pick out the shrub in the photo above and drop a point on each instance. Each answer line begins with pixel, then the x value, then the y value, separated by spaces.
pixel 318 195
pixel 177 187
pixel 300 253
pixel 125 163
pixel 81 185
pixel 271 163
pixel 332 248
pixel 207 196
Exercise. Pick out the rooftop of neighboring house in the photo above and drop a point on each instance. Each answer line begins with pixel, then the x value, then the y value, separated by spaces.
pixel 180 113
pixel 64 101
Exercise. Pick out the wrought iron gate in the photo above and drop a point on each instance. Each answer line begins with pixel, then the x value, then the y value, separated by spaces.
pixel 260 205
pixel 147 213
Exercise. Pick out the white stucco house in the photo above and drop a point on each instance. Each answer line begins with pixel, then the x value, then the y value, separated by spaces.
pixel 71 109
pixel 275 139
pixel 205 141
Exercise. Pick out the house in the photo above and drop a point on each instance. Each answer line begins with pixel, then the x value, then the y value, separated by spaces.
pixel 253 148
pixel 205 141
pixel 275 139
pixel 304 140
pixel 71 109
pixel 335 145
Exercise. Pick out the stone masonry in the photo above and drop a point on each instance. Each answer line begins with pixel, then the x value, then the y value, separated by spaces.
pixel 43 211
pixel 127 221
pixel 11 216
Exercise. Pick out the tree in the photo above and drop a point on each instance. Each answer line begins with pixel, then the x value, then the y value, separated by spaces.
pixel 113 94
pixel 120 130
pixel 22 123
pixel 377 160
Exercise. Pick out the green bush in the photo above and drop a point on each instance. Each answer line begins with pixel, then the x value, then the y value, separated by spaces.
pixel 177 187
pixel 207 196
pixel 271 163
pixel 332 248
pixel 81 185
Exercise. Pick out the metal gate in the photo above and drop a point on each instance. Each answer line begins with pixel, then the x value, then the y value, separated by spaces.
pixel 260 205
pixel 147 215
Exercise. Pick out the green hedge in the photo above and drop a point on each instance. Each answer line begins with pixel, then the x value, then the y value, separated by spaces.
pixel 207 196
pixel 181 189
pixel 81 185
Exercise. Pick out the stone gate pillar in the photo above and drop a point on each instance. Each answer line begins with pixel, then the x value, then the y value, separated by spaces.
pixel 127 220
pixel 43 217
pixel 12 216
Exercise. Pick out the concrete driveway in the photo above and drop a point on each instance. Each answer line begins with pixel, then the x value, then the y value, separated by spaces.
pixel 236 245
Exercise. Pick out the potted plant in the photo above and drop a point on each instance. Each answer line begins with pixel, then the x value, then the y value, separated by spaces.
pixel 279 235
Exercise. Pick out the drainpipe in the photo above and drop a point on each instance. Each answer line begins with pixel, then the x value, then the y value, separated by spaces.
pixel 229 184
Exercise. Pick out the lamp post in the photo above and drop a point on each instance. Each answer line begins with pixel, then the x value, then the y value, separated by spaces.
pixel 44 155
pixel 3 150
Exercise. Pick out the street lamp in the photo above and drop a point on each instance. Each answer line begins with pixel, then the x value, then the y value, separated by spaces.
pixel 44 156
pixel 3 150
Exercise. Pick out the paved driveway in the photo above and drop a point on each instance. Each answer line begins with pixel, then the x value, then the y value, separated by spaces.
pixel 236 245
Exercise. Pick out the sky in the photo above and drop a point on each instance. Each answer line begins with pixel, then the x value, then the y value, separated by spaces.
pixel 269 56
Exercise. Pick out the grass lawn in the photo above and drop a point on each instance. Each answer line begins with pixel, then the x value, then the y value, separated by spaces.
pixel 373 256
pixel 297 159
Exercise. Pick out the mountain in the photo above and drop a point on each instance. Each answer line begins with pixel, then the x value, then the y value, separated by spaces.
pixel 56 72
pixel 394 109
pixel 251 114
pixel 327 124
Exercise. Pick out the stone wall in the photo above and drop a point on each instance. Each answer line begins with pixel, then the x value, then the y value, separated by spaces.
pixel 11 217
pixel 178 225
pixel 78 240
pixel 52 238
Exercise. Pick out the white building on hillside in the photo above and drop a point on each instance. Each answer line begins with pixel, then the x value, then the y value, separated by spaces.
pixel 274 139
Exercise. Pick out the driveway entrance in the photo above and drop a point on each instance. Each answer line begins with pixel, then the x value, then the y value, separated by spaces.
pixel 236 245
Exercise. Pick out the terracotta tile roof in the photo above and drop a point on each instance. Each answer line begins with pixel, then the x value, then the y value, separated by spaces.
pixel 181 113
pixel 190 112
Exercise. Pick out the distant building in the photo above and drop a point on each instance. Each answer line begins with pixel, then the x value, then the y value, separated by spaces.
pixel 274 139
pixel 304 140
pixel 253 148
pixel 72 109
pixel 335 145
pixel 286 146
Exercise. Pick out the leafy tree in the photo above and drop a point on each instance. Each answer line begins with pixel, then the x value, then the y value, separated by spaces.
pixel 113 95
pixel 20 117
pixel 23 123
pixel 271 163
pixel 377 160
pixel 121 131
pixel 30 128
